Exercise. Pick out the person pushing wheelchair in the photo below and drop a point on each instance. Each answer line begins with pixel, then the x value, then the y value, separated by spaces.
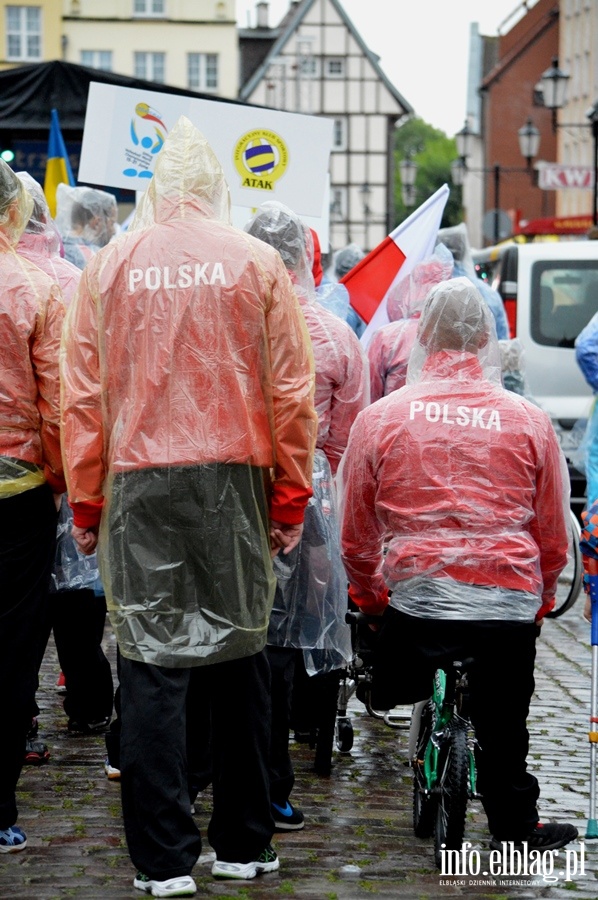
pixel 466 485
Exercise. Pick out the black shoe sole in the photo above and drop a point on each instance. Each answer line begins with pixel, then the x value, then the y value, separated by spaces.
pixel 518 845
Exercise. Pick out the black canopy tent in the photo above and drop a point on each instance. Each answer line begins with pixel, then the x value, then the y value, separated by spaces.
pixel 29 93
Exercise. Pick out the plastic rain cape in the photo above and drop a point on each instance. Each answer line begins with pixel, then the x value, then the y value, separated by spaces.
pixel 467 479
pixel 16 475
pixel 311 594
pixel 195 374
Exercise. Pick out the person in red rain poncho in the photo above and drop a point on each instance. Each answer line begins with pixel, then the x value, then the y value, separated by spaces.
pixel 307 624
pixel 467 483
pixel 390 346
pixel 31 314
pixel 188 413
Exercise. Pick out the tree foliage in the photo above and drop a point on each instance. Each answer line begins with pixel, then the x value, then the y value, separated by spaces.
pixel 433 152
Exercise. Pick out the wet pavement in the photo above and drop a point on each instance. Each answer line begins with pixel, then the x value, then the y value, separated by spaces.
pixel 358 841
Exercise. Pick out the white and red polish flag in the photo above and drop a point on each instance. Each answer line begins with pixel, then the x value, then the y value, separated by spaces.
pixel 370 280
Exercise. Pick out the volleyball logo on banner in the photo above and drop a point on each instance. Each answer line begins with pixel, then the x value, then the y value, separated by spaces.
pixel 261 157
pixel 147 132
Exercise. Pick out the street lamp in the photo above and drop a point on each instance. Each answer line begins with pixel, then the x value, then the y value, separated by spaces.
pixel 592 115
pixel 529 144
pixel 458 171
pixel 554 89
pixel 529 141
pixel 408 171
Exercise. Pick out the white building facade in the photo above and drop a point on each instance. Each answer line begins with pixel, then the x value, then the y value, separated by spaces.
pixel 183 43
pixel 320 65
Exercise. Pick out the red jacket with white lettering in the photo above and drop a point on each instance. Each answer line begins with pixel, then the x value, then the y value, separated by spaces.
pixel 466 481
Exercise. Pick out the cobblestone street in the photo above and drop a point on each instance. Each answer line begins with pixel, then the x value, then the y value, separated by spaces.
pixel 358 841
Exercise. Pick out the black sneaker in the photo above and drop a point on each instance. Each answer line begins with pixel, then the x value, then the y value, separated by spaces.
pixel 287 817
pixel 544 837
pixel 98 727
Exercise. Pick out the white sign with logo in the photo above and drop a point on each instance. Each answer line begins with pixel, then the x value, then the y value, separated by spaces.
pixel 554 177
pixel 266 154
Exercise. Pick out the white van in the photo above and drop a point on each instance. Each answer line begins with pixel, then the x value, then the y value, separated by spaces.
pixel 550 291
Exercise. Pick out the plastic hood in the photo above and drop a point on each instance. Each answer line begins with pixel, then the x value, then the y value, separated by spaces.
pixel 455 331
pixel 187 175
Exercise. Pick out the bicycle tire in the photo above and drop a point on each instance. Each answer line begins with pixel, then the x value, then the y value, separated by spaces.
pixel 424 805
pixel 570 579
pixel 344 734
pixel 453 791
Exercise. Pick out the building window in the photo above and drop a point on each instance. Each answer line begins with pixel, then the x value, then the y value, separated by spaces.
pixel 339 135
pixel 338 203
pixel 23 32
pixel 149 8
pixel 150 66
pixel 97 59
pixel 202 71
pixel 335 67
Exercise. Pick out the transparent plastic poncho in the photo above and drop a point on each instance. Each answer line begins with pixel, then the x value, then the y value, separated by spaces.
pixel 40 221
pixel 41 243
pixel 464 482
pixel 72 570
pixel 585 458
pixel 188 405
pixel 311 594
pixel 16 205
pixel 390 346
pixel 342 379
pixel 456 239
pixel 29 393
pixel 311 599
pixel 86 219
pixel 512 361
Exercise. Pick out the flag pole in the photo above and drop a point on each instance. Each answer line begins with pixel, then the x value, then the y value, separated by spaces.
pixel 591 565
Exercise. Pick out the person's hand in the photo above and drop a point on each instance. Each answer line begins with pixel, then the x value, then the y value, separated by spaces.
pixel 284 537
pixel 86 539
pixel 57 501
pixel 375 626
pixel 587 610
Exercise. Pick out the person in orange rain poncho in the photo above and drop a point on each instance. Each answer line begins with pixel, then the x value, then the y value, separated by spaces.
pixel 31 314
pixel 189 431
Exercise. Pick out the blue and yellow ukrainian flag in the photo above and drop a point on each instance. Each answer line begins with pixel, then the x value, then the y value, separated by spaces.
pixel 58 167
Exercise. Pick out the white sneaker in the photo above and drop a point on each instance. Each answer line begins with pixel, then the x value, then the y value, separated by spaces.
pixel 112 773
pixel 183 886
pixel 267 861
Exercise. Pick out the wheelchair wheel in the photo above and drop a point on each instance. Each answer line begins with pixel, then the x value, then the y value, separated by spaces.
pixel 570 579
pixel 453 791
pixel 424 804
pixel 344 734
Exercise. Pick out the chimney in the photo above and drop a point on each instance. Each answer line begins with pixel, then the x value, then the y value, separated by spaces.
pixel 262 15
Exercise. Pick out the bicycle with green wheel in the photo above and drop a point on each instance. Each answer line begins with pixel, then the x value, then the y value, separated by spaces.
pixel 444 770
